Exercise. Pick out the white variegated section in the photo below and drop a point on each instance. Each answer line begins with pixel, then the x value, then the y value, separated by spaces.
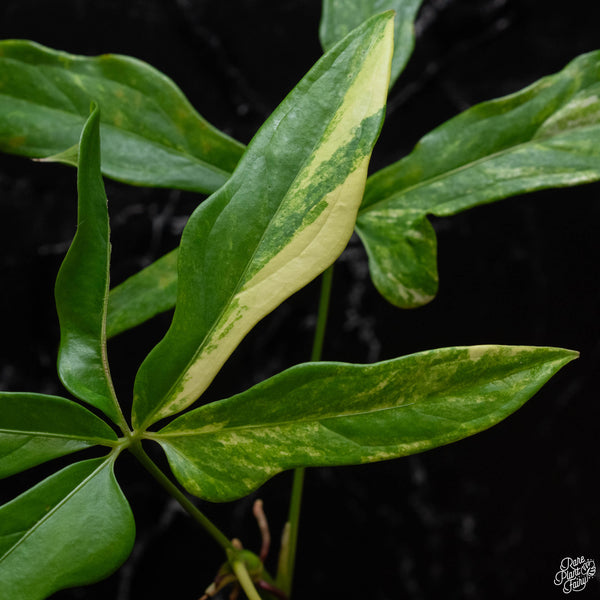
pixel 582 111
pixel 307 255
pixel 315 246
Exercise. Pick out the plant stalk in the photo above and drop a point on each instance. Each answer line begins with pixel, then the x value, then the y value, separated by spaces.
pixel 245 580
pixel 285 578
pixel 175 492
pixel 319 337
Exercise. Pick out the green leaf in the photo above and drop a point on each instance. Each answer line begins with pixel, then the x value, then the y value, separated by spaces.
pixel 284 216
pixel 151 134
pixel 147 293
pixel 71 529
pixel 35 428
pixel 547 135
pixel 326 414
pixel 82 286
pixel 342 16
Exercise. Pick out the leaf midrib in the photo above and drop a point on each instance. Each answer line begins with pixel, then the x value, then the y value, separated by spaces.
pixel 242 279
pixel 446 174
pixel 299 421
pixel 169 149
pixel 42 70
pixel 44 434
pixel 172 392
pixel 55 508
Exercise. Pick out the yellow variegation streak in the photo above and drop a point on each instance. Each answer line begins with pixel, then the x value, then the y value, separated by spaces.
pixel 313 248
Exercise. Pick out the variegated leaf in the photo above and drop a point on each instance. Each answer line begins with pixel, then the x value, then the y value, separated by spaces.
pixel 151 134
pixel 283 218
pixel 342 16
pixel 547 135
pixel 327 414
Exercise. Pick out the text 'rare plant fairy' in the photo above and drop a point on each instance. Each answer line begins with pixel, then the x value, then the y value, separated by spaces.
pixel 279 213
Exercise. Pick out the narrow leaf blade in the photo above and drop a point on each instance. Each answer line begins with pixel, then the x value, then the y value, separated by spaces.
pixel 342 16
pixel 73 528
pixel 284 216
pixel 82 286
pixel 547 135
pixel 152 135
pixel 147 293
pixel 35 428
pixel 326 414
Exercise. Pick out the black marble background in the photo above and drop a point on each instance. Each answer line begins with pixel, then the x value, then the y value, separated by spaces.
pixel 489 517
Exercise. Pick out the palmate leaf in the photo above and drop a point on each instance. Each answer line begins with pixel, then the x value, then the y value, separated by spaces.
pixel 547 135
pixel 284 216
pixel 73 528
pixel 342 16
pixel 151 134
pixel 35 428
pixel 82 284
pixel 327 414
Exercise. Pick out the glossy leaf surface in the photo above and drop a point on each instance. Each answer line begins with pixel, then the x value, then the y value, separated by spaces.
pixel 35 428
pixel 151 134
pixel 285 215
pixel 543 136
pixel 342 16
pixel 82 286
pixel 547 135
pixel 321 414
pixel 73 528
pixel 147 293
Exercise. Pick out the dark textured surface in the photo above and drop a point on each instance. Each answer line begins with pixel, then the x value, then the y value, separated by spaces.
pixel 489 517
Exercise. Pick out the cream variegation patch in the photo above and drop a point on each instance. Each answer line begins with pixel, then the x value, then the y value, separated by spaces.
pixel 315 245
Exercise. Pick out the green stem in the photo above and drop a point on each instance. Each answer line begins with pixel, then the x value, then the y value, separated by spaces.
pixel 285 578
pixel 317 349
pixel 175 492
pixel 245 580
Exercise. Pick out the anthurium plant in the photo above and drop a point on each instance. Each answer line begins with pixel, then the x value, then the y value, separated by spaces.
pixel 279 213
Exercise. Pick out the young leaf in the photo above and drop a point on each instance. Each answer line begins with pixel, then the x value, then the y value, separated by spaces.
pixel 284 216
pixel 144 295
pixel 547 135
pixel 73 528
pixel 320 414
pixel 151 134
pixel 35 428
pixel 342 16
pixel 82 286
